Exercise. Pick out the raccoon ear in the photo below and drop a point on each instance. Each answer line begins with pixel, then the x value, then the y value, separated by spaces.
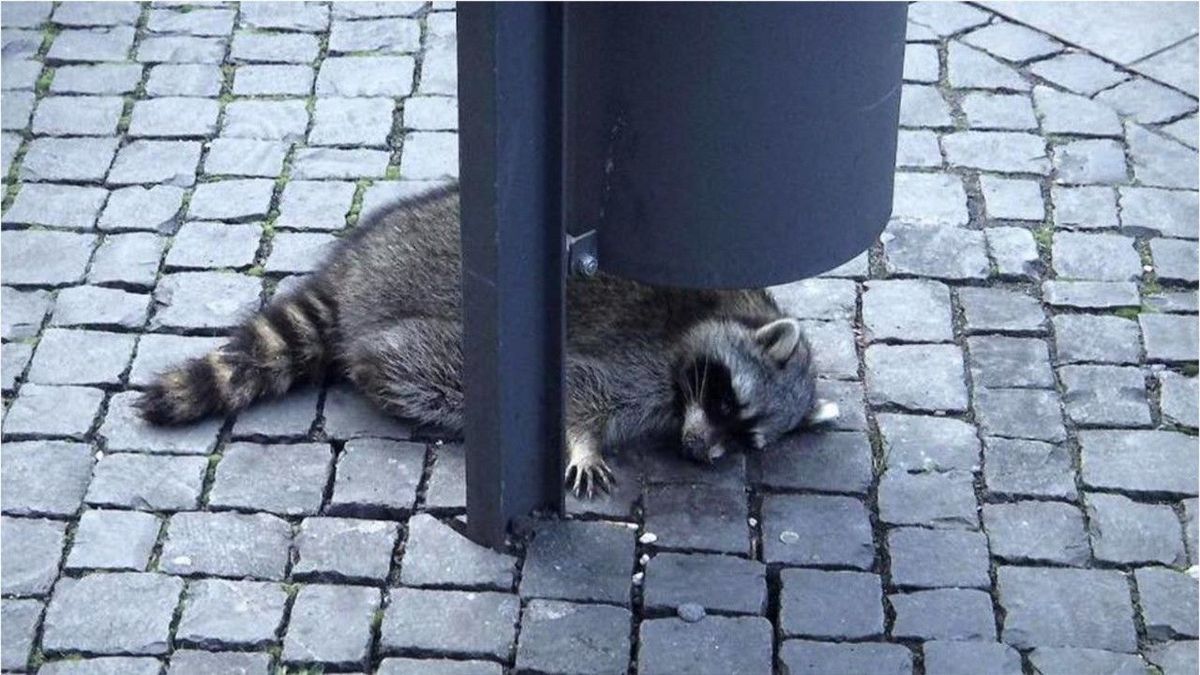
pixel 779 338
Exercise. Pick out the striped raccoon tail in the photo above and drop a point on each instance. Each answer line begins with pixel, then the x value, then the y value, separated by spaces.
pixel 288 341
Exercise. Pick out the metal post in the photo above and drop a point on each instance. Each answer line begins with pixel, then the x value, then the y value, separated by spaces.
pixel 509 82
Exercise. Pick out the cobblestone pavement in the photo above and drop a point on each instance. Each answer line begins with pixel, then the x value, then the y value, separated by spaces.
pixel 1012 486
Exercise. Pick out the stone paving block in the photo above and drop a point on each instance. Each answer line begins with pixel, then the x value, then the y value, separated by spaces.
pixel 1084 338
pixel 914 148
pixel 222 614
pixel 449 623
pixel 171 49
pixel 245 157
pixel 1166 212
pixel 1012 42
pixel 1124 531
pixel 231 200
pixel 1145 101
pixel 64 412
pixel 561 637
pixel 1070 660
pixel 823 299
pixel 929 199
pixel 352 121
pixel 204 299
pixel 999 361
pixel 191 21
pixel 1091 294
pixel 1159 162
pixel 1008 112
pixel 299 252
pixel 446 489
pixel 1178 399
pixel 1089 161
pixel 1032 414
pixel 1175 260
pixel 946 19
pixel 206 245
pixel 113 540
pixel 429 155
pixel 1078 72
pixel 923 106
pixel 314 205
pixel 943 614
pixel 311 17
pixel 836 605
pixel 799 656
pixel 907 310
pixel 816 530
pixel 27 15
pixel 1139 461
pixel 431 113
pixel 938 252
pixel 88 14
pixel 1084 207
pixel 105 665
pixel 331 625
pixel 1004 151
pixel 68 159
pixel 380 36
pixel 20 44
pixel 138 208
pixel 160 162
pixel 9 144
pixel 180 79
pixel 346 550
pixel 283 120
pixel 1064 113
pixel 383 193
pixel 1037 532
pixel 947 657
pixel 833 346
pixel 273 80
pixel 101 78
pixel 970 68
pixel 921 63
pixel 375 10
pixel 925 558
pixel 829 462
pixel 1174 658
pixel 248 47
pixel 998 310
pixel 135 620
pixel 94 44
pixel 715 645
pixel 852 413
pixel 923 443
pixel 14 357
pixel 701 518
pixel 579 560
pixel 196 662
pixel 716 582
pixel 376 478
pixel 1105 396
pixel 125 430
pixel 390 76
pixel 1102 257
pixel 1054 607
pixel 15 109
pixel 1179 302
pixel 339 163
pixel 438 555
pixel 24 312
pixel 288 417
pixel 31 550
pixel 152 483
pixel 101 307
pixel 664 463
pixel 77 116
pixel 226 545
pixel 939 500
pixel 1167 600
pixel 19 619
pixel 1024 468
pixel 282 479
pixel 405 666
pixel 1012 198
pixel 1169 338
pixel 158 353
pixel 941 388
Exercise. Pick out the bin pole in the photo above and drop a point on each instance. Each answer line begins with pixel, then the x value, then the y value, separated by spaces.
pixel 513 260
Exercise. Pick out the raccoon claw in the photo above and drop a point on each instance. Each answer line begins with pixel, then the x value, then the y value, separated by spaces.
pixel 589 476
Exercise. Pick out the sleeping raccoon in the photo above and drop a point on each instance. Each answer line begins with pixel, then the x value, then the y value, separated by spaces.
pixel 716 370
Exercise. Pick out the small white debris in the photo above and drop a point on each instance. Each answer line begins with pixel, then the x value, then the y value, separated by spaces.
pixel 1193 571
pixel 637 578
pixel 99 454
pixel 789 537
pixel 632 526
pixel 182 560
pixel 690 612
pixel 753 522
pixel 648 538
pixel 644 559
pixel 1147 268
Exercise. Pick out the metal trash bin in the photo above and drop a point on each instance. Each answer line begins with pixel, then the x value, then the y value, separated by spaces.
pixel 708 145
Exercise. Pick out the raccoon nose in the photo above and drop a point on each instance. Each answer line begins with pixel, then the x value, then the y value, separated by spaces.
pixel 695 447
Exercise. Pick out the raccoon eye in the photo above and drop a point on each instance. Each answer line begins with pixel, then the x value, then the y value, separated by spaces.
pixel 727 406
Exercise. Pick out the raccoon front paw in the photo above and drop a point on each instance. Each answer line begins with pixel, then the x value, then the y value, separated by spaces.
pixel 588 474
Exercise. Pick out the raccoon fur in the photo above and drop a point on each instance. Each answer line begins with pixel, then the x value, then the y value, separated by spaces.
pixel 714 370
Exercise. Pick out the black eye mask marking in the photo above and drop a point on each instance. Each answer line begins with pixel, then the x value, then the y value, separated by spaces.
pixel 720 402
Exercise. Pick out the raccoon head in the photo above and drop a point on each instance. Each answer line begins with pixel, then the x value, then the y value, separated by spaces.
pixel 744 387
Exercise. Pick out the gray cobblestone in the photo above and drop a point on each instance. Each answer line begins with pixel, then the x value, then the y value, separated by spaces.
pixel 315 205
pixel 943 614
pixel 339 163
pixel 1175 657
pixel 1037 532
pixel 64 206
pixel 450 623
pixel 204 299
pixel 1105 396
pixel 299 252
pixel 77 116
pixel 287 417
pixel 57 412
pixel 195 662
pixel 926 558
pixel 93 44
pixel 163 162
pixel 350 415
pixel 825 531
pixel 406 666
pixel 1101 257
pixel 152 483
pixel 1004 151
pixel 932 499
pixel 284 120
pixel 204 245
pixel 331 625
pixel 68 159
pixel 833 346
pixel 1048 607
pixel 947 657
pixel 1175 260
pixel 113 540
pixel 938 252
pixel 24 312
pixel 1089 161
pixel 15 110
pixel 226 545
pixel 100 307
pixel 1025 468
pixel 1012 42
pixel 341 549
pixel 272 79
pixel 714 646
pixel 827 657
pixel 19 619
pixel 188 79
pixel 1078 72
pixel 27 14
pixel 376 477
pixel 701 518
pixel 105 665
pixel 829 462
pixel 942 387
pixel 231 200
pixel 1009 112
pixel 998 361
pixel 1174 301
pixel 245 157
pixel 438 555
pixel 1012 198
pixel 171 49
pixel 14 356
pixel 922 443
pixel 1167 600
pixel 1020 413
pixel 380 36
pixel 914 148
pixel 431 113
pixel 139 208
pixel 124 430
pixel 100 78
pixel 907 311
pixel 923 106
pixel 1166 212
pixel 191 21
pixel 1146 101
pixel 560 637
pixel 135 619
pixel 310 17
pixel 282 479
pixel 1170 338
pixel 970 68
pixel 988 310
pixel 1124 531
pixel 715 582
pixel 1179 397
pixel 1159 162
pixel 1068 660
pixel 352 121
pixel 221 614
pixel 1139 461
pixel 32 550
pixel 577 560
pixel 390 76
pixel 1082 338
pixel 87 14
pixel 1064 113
pixel 837 605
pixel 156 353
pixel 1091 294
pixel 1084 207
pixel 248 47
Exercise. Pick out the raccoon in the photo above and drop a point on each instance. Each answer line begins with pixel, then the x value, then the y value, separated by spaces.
pixel 714 370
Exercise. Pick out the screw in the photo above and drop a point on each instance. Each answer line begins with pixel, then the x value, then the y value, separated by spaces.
pixel 587 265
